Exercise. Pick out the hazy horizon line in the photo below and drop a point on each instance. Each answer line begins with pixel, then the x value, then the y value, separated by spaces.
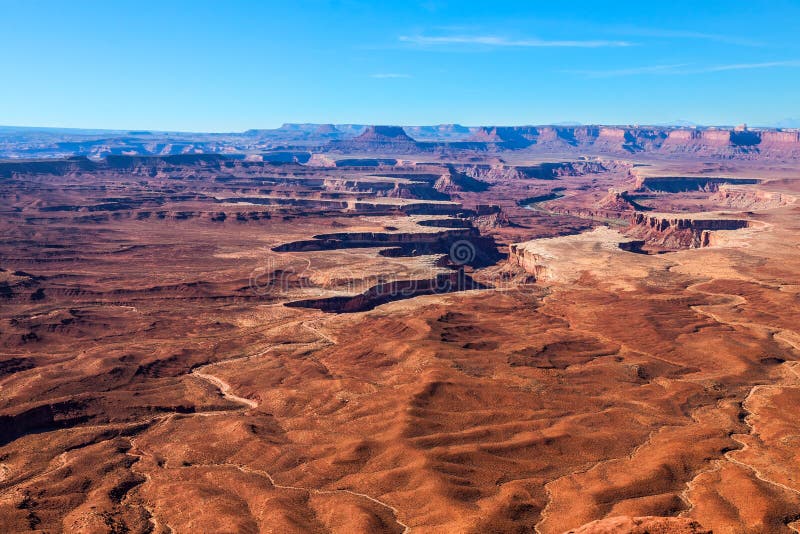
pixel 563 124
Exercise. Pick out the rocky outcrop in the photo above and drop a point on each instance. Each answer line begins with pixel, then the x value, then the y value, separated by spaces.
pixel 674 232
pixel 531 262
pixel 677 184
pixel 321 160
pixel 617 201
pixel 456 182
pixel 750 199
pixel 543 171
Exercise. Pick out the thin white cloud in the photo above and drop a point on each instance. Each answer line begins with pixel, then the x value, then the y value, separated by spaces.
pixel 494 41
pixel 747 66
pixel 388 75
pixel 632 71
pixel 690 34
pixel 681 69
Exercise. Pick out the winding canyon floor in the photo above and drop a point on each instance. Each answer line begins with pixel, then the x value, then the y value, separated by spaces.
pixel 425 376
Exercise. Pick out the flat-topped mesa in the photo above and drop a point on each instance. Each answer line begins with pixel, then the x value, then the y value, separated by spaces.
pixel 383 134
pixel 544 171
pixel 57 167
pixel 677 184
pixel 747 198
pixel 786 137
pixel 326 129
pixel 565 258
pixel 732 142
pixel 382 138
pixel 320 160
pixel 675 232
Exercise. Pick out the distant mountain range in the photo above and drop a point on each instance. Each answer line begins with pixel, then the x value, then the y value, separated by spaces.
pixel 30 142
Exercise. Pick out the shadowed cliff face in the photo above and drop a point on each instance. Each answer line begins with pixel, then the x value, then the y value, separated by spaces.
pixel 392 291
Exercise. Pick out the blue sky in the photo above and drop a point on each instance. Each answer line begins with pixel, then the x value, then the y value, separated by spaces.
pixel 230 66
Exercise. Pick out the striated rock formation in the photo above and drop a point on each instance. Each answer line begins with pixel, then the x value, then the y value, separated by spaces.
pixel 746 198
pixel 543 171
pixel 669 231
pixel 675 184
pixel 383 134
pixel 617 201
pixel 321 160
pixel 455 182
pixel 627 139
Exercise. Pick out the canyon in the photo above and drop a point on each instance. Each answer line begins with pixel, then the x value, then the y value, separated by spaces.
pixel 351 328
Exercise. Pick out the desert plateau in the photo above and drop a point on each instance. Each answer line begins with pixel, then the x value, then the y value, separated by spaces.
pixel 382 335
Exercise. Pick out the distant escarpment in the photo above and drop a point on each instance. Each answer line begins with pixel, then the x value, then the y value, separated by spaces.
pixel 286 144
pixel 715 142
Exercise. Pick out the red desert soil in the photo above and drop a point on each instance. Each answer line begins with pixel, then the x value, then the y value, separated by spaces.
pixel 639 377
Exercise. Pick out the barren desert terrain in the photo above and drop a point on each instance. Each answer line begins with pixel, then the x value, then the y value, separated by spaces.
pixel 522 330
